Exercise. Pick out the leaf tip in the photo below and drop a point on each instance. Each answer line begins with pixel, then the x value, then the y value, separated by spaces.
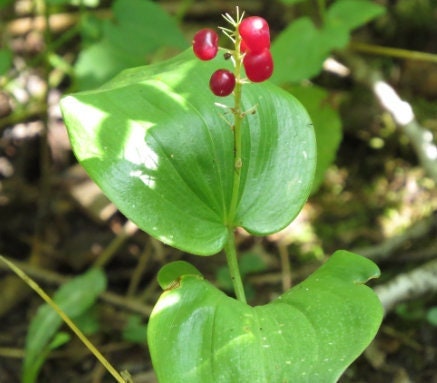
pixel 170 275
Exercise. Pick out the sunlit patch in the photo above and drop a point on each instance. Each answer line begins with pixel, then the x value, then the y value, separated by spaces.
pixel 93 117
pixel 148 180
pixel 143 155
pixel 430 148
pixel 401 110
pixel 334 66
pixel 167 302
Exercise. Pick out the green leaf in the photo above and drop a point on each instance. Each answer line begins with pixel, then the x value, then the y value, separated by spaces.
pixel 327 126
pixel 251 263
pixel 74 298
pixel 4 3
pixel 140 28
pixel 135 330
pixel 5 61
pixel 309 334
pixel 171 273
pixel 297 53
pixel 88 321
pixel 99 62
pixel 431 316
pixel 162 151
pixel 300 50
pixel 353 13
pixel 290 2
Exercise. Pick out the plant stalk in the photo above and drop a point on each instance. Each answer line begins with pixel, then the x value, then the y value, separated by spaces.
pixel 230 247
pixel 234 270
pixel 322 9
pixel 238 118
pixel 393 52
pixel 33 285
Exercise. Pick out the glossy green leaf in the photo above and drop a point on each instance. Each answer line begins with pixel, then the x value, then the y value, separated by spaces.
pixel 171 273
pixel 327 126
pixel 162 151
pixel 310 334
pixel 74 298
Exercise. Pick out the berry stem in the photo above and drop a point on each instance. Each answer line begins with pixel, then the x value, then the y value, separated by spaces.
pixel 230 247
pixel 238 118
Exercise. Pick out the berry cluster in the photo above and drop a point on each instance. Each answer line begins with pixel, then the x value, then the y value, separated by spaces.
pixel 253 45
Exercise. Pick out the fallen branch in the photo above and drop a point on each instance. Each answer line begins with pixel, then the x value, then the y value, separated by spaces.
pixel 393 245
pixel 408 286
pixel 421 138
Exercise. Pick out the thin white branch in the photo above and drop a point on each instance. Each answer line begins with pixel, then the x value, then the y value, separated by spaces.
pixel 408 286
pixel 402 112
pixel 421 138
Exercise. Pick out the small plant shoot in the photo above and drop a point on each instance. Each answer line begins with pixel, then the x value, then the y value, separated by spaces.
pixel 192 148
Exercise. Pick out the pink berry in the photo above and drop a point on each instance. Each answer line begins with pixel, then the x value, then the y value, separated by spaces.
pixel 205 44
pixel 222 82
pixel 258 66
pixel 255 32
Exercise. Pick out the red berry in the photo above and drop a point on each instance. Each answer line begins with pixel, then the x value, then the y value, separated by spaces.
pixel 258 66
pixel 222 82
pixel 255 32
pixel 205 44
pixel 243 47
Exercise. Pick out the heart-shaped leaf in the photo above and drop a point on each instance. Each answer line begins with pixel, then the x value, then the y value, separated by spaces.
pixel 311 333
pixel 327 126
pixel 156 143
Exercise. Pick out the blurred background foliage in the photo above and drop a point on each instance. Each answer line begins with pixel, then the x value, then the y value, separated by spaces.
pixel 367 73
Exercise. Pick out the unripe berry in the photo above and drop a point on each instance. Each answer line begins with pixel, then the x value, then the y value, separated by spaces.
pixel 222 82
pixel 258 66
pixel 255 33
pixel 205 44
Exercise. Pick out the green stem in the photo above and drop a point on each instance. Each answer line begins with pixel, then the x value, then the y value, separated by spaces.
pixel 230 247
pixel 393 52
pixel 231 257
pixel 238 117
pixel 322 10
pixel 33 285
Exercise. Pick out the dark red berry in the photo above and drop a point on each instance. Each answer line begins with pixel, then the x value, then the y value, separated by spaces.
pixel 205 44
pixel 258 66
pixel 255 33
pixel 222 82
